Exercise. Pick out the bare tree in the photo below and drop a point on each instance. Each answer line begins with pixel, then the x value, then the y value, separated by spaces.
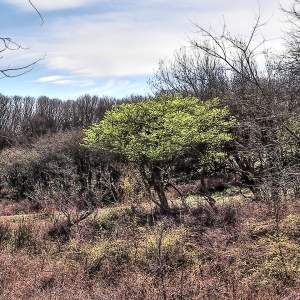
pixel 259 96
pixel 25 118
pixel 294 38
pixel 259 91
pixel 191 73
pixel 7 44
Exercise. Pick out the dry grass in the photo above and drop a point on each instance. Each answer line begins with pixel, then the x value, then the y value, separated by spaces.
pixel 126 253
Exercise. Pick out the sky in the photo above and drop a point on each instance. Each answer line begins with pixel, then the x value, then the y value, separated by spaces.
pixel 113 47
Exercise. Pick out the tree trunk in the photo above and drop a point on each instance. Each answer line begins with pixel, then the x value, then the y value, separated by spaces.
pixel 159 189
pixel 209 199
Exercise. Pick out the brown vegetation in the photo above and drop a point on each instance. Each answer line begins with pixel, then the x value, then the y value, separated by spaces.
pixel 126 253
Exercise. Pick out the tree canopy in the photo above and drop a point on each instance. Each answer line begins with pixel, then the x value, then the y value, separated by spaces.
pixel 161 129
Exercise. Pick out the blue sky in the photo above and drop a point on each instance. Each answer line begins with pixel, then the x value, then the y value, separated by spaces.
pixel 112 47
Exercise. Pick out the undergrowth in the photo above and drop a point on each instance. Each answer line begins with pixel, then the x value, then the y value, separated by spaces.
pixel 124 253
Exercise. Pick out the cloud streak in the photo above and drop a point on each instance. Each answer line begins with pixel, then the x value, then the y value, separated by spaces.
pixel 52 78
pixel 130 43
pixel 64 80
pixel 48 5
pixel 112 41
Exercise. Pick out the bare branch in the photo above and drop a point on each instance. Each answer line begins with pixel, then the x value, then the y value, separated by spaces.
pixel 37 11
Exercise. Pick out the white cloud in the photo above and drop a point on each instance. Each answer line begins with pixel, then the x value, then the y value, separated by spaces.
pixel 51 4
pixel 65 80
pixel 50 78
pixel 131 42
pixel 115 88
pixel 110 45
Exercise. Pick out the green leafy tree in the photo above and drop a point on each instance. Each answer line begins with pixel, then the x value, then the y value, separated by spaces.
pixel 156 132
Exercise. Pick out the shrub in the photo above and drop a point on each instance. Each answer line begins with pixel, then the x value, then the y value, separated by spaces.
pixel 22 236
pixel 106 258
pixel 105 223
pixel 281 266
pixel 163 248
pixel 154 133
pixel 58 163
pixel 291 226
pixel 5 235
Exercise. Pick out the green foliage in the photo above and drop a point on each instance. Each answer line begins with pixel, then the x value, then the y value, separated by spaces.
pixel 160 129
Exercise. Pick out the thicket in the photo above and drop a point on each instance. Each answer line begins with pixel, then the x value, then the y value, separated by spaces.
pixel 260 90
pixel 23 119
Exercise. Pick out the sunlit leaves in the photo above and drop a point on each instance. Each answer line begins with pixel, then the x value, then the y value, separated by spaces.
pixel 160 129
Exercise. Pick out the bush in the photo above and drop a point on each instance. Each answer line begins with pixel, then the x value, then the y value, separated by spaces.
pixel 153 134
pixel 281 266
pixel 163 248
pixel 58 162
pixel 22 236
pixel 5 235
pixel 291 226
pixel 25 168
pixel 106 258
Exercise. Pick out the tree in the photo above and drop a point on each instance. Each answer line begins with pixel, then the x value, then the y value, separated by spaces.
pixel 191 74
pixel 155 133
pixel 7 44
pixel 294 39
pixel 264 96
